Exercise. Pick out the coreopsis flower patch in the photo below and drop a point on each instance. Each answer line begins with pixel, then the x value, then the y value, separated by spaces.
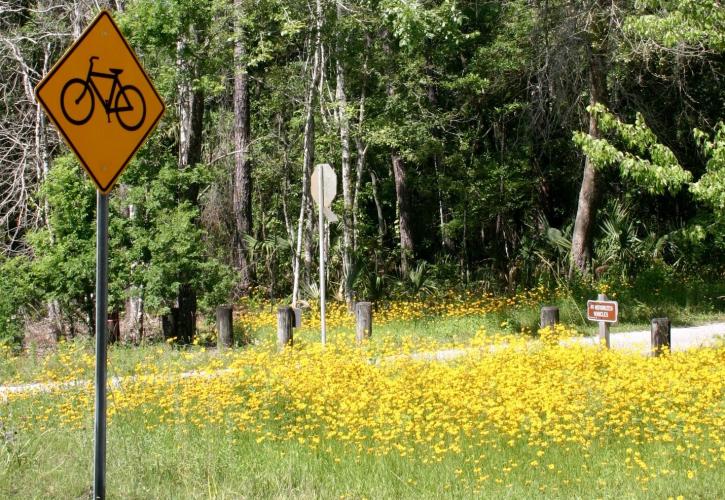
pixel 547 408
pixel 450 305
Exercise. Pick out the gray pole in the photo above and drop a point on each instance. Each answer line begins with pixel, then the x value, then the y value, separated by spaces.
pixel 323 329
pixel 99 470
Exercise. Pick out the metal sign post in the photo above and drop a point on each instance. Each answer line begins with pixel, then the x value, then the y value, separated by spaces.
pixel 104 128
pixel 99 447
pixel 323 326
pixel 323 186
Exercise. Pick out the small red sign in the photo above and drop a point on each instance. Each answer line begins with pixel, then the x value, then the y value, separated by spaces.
pixel 603 310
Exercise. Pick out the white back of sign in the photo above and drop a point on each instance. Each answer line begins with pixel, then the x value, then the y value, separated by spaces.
pixel 324 172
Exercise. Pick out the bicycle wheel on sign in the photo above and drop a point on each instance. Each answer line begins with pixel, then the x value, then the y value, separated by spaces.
pixel 130 108
pixel 76 101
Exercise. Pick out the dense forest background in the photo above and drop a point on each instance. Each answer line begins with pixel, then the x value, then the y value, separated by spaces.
pixel 480 144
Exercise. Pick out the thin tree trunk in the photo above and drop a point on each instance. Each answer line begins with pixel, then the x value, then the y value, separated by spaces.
pixel 581 244
pixel 378 208
pixel 42 158
pixel 134 318
pixel 191 114
pixel 446 242
pixel 402 197
pixel 304 225
pixel 78 21
pixel 135 304
pixel 402 194
pixel 344 125
pixel 362 150
pixel 242 186
pixel 360 145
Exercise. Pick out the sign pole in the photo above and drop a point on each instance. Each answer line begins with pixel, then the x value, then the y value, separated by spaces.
pixel 99 470
pixel 603 325
pixel 321 205
pixel 104 143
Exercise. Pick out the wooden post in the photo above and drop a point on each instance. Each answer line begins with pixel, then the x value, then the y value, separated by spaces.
pixel 114 327
pixel 170 324
pixel 224 327
pixel 661 335
pixel 298 316
pixel 603 326
pixel 364 323
pixel 549 316
pixel 285 323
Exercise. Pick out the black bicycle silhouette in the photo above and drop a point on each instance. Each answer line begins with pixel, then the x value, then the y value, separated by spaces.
pixel 128 102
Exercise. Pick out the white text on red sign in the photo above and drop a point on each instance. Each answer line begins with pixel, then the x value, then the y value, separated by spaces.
pixel 606 311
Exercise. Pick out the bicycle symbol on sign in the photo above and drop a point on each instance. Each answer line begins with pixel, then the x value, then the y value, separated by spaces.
pixel 77 99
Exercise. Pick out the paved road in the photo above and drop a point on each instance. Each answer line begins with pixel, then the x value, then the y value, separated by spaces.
pixel 682 338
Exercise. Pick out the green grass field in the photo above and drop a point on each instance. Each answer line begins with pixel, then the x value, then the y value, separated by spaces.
pixel 523 422
pixel 185 462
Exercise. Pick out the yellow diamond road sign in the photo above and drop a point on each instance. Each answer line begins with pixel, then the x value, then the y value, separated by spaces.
pixel 101 100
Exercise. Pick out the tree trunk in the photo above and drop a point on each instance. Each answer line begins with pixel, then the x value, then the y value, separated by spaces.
pixel 581 243
pixel 360 145
pixel 186 323
pixel 77 19
pixel 446 241
pixel 134 319
pixel 359 171
pixel 378 208
pixel 402 197
pixel 134 304
pixel 344 125
pixel 191 114
pixel 432 94
pixel 304 225
pixel 303 234
pixel 242 185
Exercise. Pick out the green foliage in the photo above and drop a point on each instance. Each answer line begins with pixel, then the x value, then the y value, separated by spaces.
pixel 163 244
pixel 480 99
pixel 678 24
pixel 148 254
pixel 710 188
pixel 419 280
pixel 641 158
pixel 65 251
pixel 620 245
pixel 18 297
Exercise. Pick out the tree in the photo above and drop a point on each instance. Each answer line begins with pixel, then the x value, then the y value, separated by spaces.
pixel 242 184
pixel 677 28
pixel 304 230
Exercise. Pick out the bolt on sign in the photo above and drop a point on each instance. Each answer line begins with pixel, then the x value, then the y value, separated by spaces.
pixel 603 310
pixel 101 100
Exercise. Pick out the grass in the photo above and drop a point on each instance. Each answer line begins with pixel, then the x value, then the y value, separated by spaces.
pixel 75 360
pixel 520 422
pixel 526 421
pixel 185 462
